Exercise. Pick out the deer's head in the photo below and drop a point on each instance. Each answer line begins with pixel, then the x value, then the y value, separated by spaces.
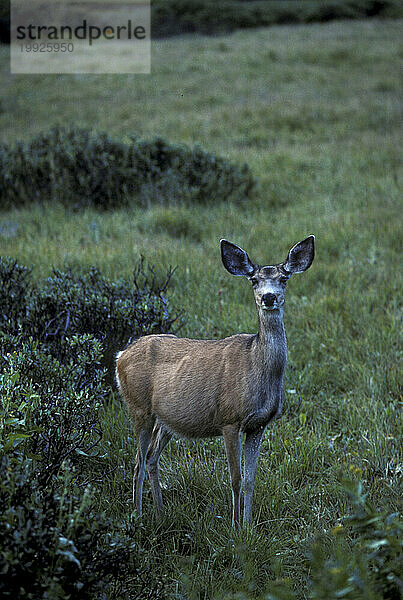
pixel 268 282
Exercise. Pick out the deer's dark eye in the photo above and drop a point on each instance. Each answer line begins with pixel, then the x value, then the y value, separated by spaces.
pixel 253 281
pixel 283 279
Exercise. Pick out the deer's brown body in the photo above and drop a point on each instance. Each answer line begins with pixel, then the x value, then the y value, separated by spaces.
pixel 191 385
pixel 205 388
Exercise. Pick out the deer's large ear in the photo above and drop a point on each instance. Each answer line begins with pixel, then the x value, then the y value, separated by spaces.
pixel 235 260
pixel 300 256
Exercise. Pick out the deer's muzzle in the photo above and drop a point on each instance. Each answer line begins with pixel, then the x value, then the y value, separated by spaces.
pixel 269 301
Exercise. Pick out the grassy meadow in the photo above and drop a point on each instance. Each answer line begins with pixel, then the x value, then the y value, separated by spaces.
pixel 315 112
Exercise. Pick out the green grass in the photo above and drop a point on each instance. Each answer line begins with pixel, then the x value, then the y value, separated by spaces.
pixel 314 110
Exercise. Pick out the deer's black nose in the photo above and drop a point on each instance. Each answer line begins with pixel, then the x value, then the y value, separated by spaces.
pixel 268 299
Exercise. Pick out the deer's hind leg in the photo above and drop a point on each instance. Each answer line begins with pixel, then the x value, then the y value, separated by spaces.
pixel 144 427
pixel 232 443
pixel 160 438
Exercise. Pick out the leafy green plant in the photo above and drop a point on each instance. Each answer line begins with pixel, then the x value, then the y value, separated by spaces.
pixel 50 410
pixel 55 544
pixel 379 538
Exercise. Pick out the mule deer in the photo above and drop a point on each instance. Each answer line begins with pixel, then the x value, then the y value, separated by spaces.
pixel 203 388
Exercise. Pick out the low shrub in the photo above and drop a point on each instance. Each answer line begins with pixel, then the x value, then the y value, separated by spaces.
pixel 79 168
pixel 71 303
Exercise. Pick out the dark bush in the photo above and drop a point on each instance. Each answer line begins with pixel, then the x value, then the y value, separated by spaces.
pixel 113 312
pixel 71 303
pixel 82 168
pixel 15 288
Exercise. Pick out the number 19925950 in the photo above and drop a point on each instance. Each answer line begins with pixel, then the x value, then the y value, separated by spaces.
pixel 42 47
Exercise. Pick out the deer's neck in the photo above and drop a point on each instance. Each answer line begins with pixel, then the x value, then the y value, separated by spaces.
pixel 271 342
